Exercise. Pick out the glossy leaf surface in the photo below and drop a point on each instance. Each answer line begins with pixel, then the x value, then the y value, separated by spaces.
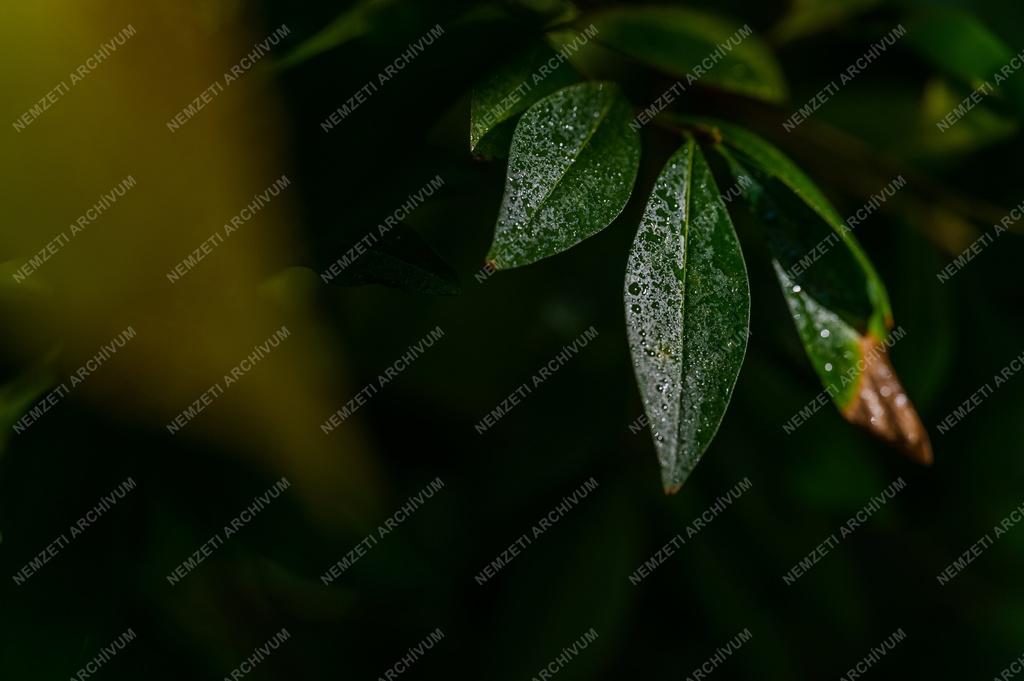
pixel 836 299
pixel 687 311
pixel 571 169
pixel 515 86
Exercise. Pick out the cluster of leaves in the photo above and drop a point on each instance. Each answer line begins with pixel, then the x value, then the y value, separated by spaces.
pixel 573 148
pixel 573 155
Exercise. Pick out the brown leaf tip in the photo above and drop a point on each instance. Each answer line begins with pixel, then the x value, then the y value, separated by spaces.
pixel 882 407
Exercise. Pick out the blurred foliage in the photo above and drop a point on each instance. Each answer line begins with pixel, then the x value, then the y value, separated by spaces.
pixel 498 332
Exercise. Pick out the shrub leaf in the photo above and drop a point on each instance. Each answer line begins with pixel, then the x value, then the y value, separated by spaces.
pixel 687 311
pixel 571 169
pixel 837 300
pixel 510 90
pixel 678 41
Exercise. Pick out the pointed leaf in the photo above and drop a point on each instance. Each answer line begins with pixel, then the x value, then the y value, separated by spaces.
pixel 844 277
pixel 676 40
pixel 499 99
pixel 837 301
pixel 570 173
pixel 687 311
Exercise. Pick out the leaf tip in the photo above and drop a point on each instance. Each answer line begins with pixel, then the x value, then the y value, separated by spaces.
pixel 882 407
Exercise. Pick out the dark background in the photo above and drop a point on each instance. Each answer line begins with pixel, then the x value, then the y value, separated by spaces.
pixel 498 334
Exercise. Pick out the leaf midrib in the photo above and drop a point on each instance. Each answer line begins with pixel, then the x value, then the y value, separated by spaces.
pixel 688 191
pixel 568 167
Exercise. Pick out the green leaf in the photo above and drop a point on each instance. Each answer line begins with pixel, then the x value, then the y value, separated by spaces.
pixel 837 301
pixel 962 46
pixel 812 16
pixel 828 300
pixel 679 42
pixel 687 311
pixel 844 277
pixel 570 173
pixel 984 127
pixel 510 90
pixel 353 23
pixel 957 42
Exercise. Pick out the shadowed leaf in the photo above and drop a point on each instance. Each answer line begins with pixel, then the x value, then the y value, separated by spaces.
pixel 353 23
pixel 812 16
pixel 679 41
pixel 961 46
pixel 838 302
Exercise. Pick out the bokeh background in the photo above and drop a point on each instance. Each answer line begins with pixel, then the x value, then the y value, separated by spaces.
pixel 498 332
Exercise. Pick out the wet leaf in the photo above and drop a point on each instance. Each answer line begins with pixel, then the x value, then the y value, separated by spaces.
pixel 838 302
pixel 498 100
pixel 570 173
pixel 678 41
pixel 844 278
pixel 687 311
